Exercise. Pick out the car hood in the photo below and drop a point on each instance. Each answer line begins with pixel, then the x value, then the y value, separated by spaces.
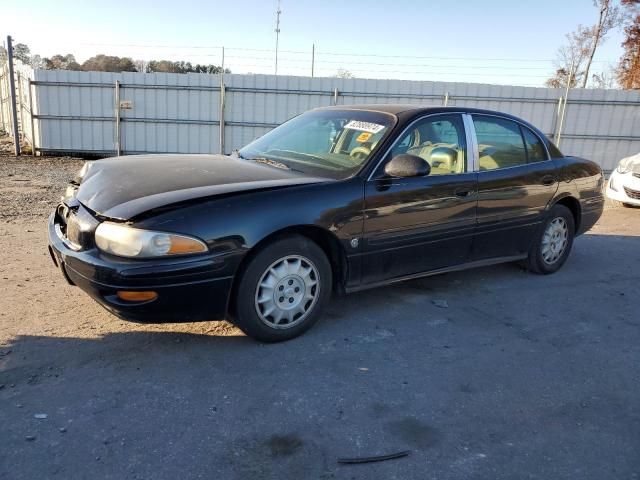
pixel 123 187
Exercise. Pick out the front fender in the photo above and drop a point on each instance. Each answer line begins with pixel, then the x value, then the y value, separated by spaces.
pixel 241 221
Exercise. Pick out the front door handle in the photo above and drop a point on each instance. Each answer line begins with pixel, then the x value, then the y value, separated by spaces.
pixel 462 192
pixel 548 180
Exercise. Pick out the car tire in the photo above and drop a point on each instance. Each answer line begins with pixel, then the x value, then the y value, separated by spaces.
pixel 282 290
pixel 553 242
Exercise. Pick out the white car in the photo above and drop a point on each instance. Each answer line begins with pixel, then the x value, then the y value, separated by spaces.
pixel 624 183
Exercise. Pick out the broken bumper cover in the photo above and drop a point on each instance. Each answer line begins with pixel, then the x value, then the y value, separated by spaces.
pixel 195 288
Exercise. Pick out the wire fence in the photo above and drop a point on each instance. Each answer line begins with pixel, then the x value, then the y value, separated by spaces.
pixel 315 61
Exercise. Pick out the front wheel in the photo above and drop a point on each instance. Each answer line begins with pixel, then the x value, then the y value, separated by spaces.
pixel 282 290
pixel 553 243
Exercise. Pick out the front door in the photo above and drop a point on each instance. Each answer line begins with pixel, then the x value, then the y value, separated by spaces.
pixel 419 224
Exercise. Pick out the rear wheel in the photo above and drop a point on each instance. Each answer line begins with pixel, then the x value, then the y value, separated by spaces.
pixel 553 243
pixel 282 290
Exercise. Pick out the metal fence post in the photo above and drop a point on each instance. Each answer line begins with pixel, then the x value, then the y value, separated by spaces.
pixel 20 105
pixel 446 99
pixel 335 96
pixel 117 96
pixel 2 97
pixel 12 90
pixel 556 117
pixel 564 104
pixel 221 111
pixel 221 130
pixel 33 128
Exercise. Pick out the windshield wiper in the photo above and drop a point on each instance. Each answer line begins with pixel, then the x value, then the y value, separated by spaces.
pixel 270 162
pixel 275 163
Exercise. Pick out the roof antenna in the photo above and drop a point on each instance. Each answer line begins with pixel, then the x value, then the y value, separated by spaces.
pixel 278 12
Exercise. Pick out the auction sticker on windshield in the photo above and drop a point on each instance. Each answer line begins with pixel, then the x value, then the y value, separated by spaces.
pixel 364 126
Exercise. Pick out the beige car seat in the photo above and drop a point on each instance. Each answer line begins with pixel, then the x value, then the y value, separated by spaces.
pixel 500 156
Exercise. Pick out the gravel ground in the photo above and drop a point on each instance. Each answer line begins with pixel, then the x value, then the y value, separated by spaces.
pixel 516 376
pixel 29 186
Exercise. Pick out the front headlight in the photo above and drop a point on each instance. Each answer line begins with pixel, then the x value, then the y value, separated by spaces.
pixel 126 241
pixel 624 166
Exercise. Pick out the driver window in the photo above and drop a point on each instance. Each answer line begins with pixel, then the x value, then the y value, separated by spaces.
pixel 440 140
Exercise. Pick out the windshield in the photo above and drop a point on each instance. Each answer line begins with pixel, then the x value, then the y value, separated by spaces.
pixel 328 143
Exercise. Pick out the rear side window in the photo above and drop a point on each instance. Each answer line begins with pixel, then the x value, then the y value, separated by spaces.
pixel 554 151
pixel 535 148
pixel 500 143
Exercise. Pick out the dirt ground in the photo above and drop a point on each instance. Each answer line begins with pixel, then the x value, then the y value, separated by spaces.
pixel 520 376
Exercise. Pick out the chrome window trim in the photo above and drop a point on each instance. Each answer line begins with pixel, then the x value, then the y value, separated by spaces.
pixel 472 143
pixel 522 124
pixel 399 136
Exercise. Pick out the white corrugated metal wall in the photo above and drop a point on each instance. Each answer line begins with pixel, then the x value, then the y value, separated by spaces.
pixel 75 111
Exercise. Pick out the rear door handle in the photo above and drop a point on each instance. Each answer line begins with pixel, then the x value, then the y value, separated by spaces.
pixel 548 180
pixel 461 192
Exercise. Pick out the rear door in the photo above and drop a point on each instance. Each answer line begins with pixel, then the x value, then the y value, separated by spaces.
pixel 516 181
pixel 418 224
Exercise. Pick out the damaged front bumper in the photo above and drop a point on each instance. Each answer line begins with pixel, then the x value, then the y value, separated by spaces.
pixel 188 289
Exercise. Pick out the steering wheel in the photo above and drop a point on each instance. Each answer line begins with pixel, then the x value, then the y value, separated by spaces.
pixel 360 153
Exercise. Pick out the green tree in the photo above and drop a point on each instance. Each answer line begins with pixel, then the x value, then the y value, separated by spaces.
pixel 61 62
pixel 22 53
pixel 168 66
pixel 108 63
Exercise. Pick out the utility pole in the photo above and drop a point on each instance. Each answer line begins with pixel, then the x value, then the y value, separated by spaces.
pixel 222 102
pixel 313 58
pixel 12 94
pixel 278 12
pixel 566 97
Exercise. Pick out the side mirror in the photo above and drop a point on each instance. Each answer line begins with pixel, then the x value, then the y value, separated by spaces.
pixel 406 165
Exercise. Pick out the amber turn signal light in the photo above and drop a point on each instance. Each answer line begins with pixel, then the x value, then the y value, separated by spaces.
pixel 130 296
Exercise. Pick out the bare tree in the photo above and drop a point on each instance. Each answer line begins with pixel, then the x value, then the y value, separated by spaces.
pixel 141 65
pixel 605 79
pixel 575 59
pixel 37 62
pixel 629 66
pixel 342 73
pixel 571 59
pixel 609 18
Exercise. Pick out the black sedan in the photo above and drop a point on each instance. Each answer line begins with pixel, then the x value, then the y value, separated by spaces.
pixel 335 200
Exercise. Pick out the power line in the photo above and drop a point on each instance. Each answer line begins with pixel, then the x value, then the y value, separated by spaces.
pixel 319 52
pixel 335 62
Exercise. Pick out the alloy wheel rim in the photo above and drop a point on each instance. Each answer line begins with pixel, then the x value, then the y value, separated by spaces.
pixel 287 292
pixel 555 240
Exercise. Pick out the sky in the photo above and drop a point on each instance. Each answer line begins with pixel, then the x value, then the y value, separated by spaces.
pixel 499 41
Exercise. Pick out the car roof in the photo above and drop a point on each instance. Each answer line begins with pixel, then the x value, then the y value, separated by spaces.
pixel 409 112
pixel 397 108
